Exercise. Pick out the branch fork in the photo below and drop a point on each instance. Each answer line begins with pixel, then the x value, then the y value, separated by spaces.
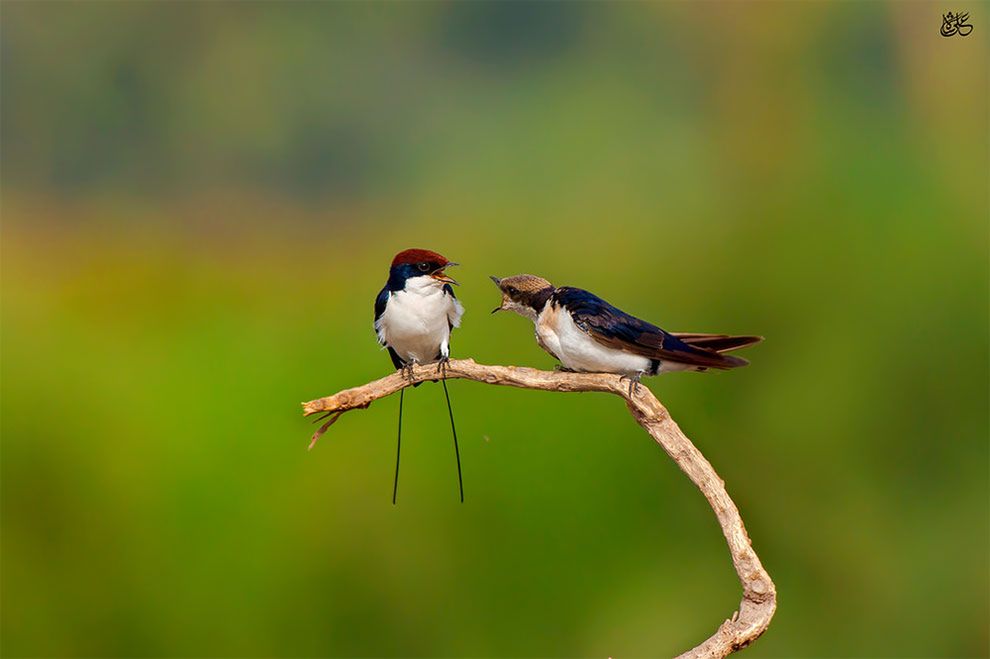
pixel 759 600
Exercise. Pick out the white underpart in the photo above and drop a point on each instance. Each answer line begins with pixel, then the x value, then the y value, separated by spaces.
pixel 416 322
pixel 578 351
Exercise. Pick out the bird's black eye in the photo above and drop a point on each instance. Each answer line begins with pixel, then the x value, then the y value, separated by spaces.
pixel 512 290
pixel 423 267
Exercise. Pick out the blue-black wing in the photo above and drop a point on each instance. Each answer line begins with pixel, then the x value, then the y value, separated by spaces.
pixel 614 328
pixel 449 290
pixel 380 303
pixel 396 361
pixel 717 342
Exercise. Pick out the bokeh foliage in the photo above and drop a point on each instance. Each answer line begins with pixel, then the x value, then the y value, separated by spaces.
pixel 199 204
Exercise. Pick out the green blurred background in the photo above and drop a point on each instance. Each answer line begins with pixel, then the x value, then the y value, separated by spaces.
pixel 200 202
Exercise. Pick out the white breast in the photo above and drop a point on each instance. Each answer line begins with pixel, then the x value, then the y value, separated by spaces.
pixel 578 351
pixel 416 322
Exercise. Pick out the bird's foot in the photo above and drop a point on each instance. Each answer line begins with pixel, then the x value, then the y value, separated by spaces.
pixel 560 368
pixel 407 371
pixel 633 382
pixel 442 366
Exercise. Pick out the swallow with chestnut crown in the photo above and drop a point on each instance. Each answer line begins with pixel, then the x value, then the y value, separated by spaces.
pixel 414 315
pixel 589 335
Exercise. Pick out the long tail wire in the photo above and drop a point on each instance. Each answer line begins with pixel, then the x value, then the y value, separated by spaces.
pixel 398 448
pixel 457 451
pixel 453 429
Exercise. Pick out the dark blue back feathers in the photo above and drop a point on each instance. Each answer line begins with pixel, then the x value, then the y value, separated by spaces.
pixel 380 303
pixel 591 312
pixel 615 328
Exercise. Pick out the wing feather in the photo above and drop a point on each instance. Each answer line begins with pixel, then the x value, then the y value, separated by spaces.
pixel 717 342
pixel 380 303
pixel 612 327
pixel 456 309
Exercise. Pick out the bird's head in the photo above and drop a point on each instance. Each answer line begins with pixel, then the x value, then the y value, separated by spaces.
pixel 421 267
pixel 524 294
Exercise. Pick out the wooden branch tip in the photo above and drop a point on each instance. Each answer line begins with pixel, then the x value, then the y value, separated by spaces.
pixel 759 598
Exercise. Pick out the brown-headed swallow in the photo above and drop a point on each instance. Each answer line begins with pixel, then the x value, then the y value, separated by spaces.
pixel 587 334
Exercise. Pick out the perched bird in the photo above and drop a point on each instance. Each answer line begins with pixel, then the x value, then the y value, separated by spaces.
pixel 414 315
pixel 586 333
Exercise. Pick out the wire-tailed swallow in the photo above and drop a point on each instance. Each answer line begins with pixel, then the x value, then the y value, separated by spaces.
pixel 414 315
pixel 587 334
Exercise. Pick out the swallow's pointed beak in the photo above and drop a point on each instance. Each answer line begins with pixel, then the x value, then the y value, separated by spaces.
pixel 439 275
pixel 498 282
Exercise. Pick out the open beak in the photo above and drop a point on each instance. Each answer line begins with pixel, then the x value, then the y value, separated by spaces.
pixel 440 276
pixel 498 282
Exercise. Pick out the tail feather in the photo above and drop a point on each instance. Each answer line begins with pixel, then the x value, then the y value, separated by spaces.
pixel 717 342
pixel 398 448
pixel 457 451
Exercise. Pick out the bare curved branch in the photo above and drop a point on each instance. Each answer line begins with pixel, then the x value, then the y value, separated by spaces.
pixel 759 600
